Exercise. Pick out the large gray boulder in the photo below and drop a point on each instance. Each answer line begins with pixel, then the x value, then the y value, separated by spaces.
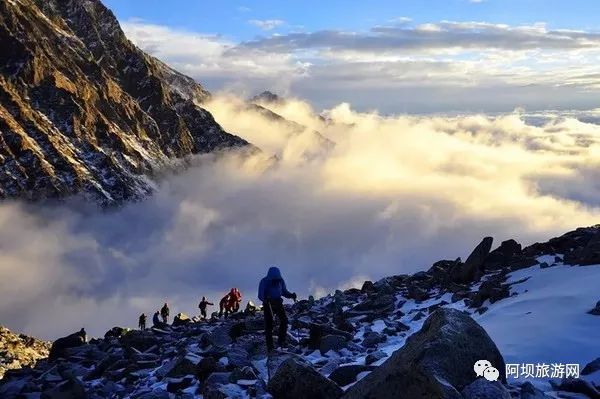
pixel 60 346
pixel 297 380
pixel 436 362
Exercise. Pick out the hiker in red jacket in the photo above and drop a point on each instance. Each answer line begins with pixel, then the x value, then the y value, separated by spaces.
pixel 235 298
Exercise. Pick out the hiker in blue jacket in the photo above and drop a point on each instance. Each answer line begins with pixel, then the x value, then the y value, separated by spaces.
pixel 270 292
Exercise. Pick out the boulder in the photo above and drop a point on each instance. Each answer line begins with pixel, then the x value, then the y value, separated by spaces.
pixel 60 346
pixel 376 303
pixel 577 385
pixel 139 340
pixel 528 391
pixel 372 339
pixel 318 331
pixel 367 287
pixel 71 389
pixel 375 357
pixel 332 342
pixel 586 255
pixel 115 332
pixel 591 367
pixel 297 380
pixel 484 389
pixel 175 385
pixel 182 366
pixel 435 362
pixel 345 375
pixel 502 256
pixel 181 319
pixel 596 310
pixel 155 394
pixel 220 336
pixel 468 271
pixel 238 357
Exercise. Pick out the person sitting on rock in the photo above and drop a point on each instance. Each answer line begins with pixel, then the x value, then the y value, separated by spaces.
pixel 203 305
pixel 164 312
pixel 156 320
pixel 224 305
pixel 142 321
pixel 270 291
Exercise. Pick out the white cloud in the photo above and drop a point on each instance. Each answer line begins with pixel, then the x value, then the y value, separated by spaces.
pixel 444 66
pixel 395 194
pixel 266 24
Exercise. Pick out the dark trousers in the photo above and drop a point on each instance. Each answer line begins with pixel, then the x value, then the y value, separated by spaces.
pixel 203 313
pixel 275 307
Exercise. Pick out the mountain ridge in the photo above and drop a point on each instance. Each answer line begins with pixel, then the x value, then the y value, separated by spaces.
pixel 82 110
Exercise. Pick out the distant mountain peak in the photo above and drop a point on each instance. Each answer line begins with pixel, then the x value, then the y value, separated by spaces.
pixel 267 97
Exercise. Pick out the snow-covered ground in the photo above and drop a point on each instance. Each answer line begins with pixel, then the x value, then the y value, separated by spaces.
pixel 547 321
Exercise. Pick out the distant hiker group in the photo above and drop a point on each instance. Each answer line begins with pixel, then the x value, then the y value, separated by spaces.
pixel 271 291
pixel 230 303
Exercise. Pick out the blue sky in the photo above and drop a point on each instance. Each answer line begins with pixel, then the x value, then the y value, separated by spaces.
pixel 230 18
pixel 395 56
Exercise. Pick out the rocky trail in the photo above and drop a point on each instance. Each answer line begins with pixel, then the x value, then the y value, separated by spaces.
pixel 404 336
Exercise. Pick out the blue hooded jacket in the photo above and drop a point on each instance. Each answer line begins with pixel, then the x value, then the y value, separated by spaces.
pixel 273 286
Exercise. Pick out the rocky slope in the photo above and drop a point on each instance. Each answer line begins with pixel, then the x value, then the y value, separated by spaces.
pixel 83 110
pixel 404 336
pixel 18 351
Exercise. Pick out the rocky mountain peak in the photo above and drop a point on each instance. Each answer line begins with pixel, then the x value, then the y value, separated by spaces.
pixel 267 97
pixel 83 110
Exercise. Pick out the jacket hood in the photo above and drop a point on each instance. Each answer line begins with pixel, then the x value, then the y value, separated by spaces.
pixel 274 273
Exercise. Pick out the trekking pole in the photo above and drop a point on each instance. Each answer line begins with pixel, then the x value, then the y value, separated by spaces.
pixel 297 325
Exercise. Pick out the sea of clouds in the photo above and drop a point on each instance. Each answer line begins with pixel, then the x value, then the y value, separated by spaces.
pixel 333 199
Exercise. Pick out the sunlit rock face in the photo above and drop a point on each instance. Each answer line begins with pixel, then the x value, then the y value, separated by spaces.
pixel 19 350
pixel 83 110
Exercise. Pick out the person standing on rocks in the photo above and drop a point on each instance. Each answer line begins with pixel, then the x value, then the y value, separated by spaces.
pixel 203 305
pixel 164 312
pixel 270 291
pixel 224 305
pixel 142 322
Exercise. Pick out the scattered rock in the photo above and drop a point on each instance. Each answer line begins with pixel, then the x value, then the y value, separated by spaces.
pixel 528 391
pixel 332 342
pixel 374 357
pixel 345 375
pixel 469 270
pixel 71 389
pixel 595 311
pixel 295 380
pixel 591 367
pixel 577 385
pixel 372 339
pixel 60 346
pixel 436 362
pixel 484 389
